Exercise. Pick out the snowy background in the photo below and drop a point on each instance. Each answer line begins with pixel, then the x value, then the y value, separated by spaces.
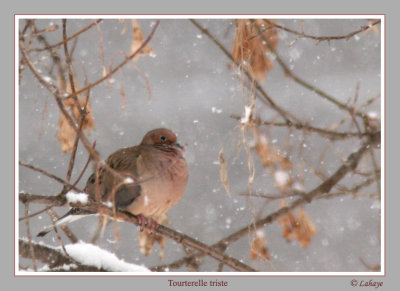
pixel 194 92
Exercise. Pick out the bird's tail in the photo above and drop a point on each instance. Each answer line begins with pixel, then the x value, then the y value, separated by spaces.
pixel 72 215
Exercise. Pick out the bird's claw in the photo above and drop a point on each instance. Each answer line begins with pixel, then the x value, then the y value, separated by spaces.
pixel 143 221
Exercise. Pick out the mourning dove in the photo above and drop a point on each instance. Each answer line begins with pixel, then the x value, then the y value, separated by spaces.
pixel 145 180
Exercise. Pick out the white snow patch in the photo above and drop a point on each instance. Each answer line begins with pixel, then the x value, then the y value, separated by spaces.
pixel 373 115
pixel 128 180
pixel 247 113
pixel 108 204
pixel 92 255
pixel 216 110
pixel 376 205
pixel 298 186
pixel 281 178
pixel 48 79
pixel 294 54
pixel 65 268
pixel 73 197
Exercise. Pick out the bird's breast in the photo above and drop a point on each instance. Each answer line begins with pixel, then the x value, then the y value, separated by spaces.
pixel 163 177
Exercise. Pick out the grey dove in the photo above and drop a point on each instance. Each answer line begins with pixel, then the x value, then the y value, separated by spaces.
pixel 145 180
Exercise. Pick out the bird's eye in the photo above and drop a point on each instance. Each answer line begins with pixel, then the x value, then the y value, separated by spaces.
pixel 163 138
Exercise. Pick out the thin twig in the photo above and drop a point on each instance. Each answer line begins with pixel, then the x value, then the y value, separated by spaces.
pixel 85 167
pixel 70 70
pixel 300 126
pixel 300 81
pixel 56 93
pixel 53 217
pixel 272 196
pixel 349 165
pixel 54 177
pixel 123 63
pixel 35 213
pixel 259 88
pixel 28 231
pixel 323 38
pixel 67 39
pixel 75 147
pixel 376 170
pixel 65 229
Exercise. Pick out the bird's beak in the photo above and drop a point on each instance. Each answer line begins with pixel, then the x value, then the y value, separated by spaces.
pixel 179 146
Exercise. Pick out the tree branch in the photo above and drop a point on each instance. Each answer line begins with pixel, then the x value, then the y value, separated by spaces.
pixel 127 217
pixel 324 38
pixel 331 134
pixel 324 188
pixel 67 39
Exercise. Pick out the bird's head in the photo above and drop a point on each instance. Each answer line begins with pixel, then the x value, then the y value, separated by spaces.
pixel 160 136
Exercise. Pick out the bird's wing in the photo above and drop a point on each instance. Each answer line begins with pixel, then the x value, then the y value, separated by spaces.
pixel 121 186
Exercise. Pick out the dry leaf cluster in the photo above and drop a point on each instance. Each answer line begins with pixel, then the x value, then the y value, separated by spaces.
pixel 250 49
pixel 301 227
pixel 137 41
pixel 67 134
pixel 273 160
pixel 259 247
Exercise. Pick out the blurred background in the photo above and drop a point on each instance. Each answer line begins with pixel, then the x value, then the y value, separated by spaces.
pixel 189 85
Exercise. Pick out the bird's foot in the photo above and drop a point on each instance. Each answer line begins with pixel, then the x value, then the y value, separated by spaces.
pixel 154 225
pixel 143 221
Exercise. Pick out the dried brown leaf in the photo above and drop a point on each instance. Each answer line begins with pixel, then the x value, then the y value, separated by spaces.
pixel 137 41
pixel 249 48
pixel 305 229
pixel 259 247
pixel 301 227
pixel 66 133
pixel 374 28
pixel 125 27
pixel 223 173
pixel 262 147
pixel 285 163
pixel 288 222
